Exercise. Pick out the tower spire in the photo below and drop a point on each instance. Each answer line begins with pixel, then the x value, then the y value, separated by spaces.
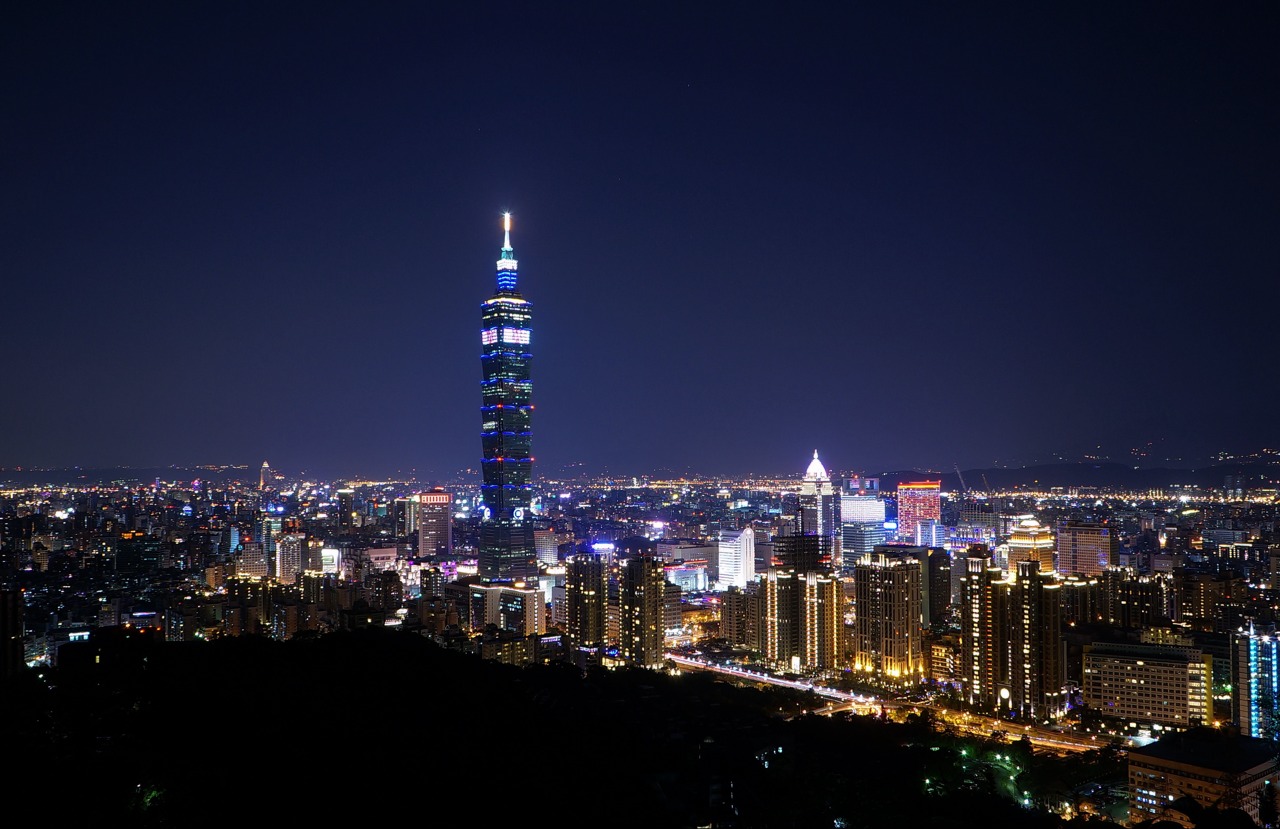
pixel 507 263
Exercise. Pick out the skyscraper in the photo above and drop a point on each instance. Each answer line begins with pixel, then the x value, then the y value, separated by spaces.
pixel 918 502
pixel 586 593
pixel 506 533
pixel 1086 548
pixel 820 508
pixel 888 639
pixel 1255 682
pixel 641 598
pixel 346 509
pixel 737 558
pixel 435 523
pixel 1031 542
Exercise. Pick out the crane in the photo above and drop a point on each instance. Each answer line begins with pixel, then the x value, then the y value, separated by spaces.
pixel 964 489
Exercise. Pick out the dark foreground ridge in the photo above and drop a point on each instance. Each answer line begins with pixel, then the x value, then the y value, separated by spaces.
pixel 343 728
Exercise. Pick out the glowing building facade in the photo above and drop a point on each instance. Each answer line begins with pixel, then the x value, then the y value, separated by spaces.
pixel 737 558
pixel 1086 549
pixel 1031 542
pixel 506 551
pixel 820 508
pixel 888 639
pixel 1255 685
pixel 919 502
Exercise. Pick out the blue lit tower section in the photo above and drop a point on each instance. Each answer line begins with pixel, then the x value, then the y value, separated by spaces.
pixel 506 535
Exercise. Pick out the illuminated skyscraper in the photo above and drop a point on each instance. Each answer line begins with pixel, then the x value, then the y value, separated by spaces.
pixel 586 594
pixel 642 589
pixel 1086 548
pixel 737 558
pixel 1031 542
pixel 506 533
pixel 981 632
pixel 918 502
pixel 435 523
pixel 888 638
pixel 820 508
pixel 346 510
pixel 1255 682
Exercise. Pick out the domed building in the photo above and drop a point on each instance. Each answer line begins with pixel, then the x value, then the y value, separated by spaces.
pixel 819 508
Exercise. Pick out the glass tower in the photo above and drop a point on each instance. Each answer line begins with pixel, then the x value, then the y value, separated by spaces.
pixel 506 533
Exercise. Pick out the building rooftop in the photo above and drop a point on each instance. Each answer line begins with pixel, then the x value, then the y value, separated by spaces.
pixel 1211 748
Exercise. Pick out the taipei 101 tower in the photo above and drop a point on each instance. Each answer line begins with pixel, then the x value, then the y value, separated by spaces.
pixel 506 533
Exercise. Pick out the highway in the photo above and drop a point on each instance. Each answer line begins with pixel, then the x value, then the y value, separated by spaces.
pixel 837 700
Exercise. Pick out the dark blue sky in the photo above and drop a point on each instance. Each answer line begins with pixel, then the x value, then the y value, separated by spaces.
pixel 905 235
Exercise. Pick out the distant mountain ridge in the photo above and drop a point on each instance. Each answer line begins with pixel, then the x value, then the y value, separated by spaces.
pixel 1093 474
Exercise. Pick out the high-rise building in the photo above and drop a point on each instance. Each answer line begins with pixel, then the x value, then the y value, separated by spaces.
pixel 820 507
pixel 346 509
pixel 803 553
pixel 267 530
pixel 1037 658
pixel 981 630
pixel 642 591
pixel 737 558
pixel 802 619
pixel 1255 683
pixel 586 596
pixel 506 405
pixel 918 502
pixel 290 549
pixel 521 610
pixel 435 523
pixel 1166 685
pixel 888 638
pixel 862 515
pixel 1031 542
pixel 1130 599
pixel 1086 548
pixel 263 475
pixel 405 516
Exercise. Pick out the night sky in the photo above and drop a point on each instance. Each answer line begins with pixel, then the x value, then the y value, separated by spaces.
pixel 908 236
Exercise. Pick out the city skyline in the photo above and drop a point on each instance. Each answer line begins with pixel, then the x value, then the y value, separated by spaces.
pixel 241 233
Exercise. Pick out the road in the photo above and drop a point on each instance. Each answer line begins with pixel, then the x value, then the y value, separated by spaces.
pixel 837 701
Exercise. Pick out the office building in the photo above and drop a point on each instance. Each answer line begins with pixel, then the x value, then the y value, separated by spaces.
pixel 918 502
pixel 1255 683
pixel 862 517
pixel 404 513
pixel 820 507
pixel 346 509
pixel 1169 686
pixel 1029 541
pixel 506 551
pixel 1086 548
pixel 737 558
pixel 435 523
